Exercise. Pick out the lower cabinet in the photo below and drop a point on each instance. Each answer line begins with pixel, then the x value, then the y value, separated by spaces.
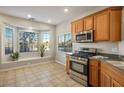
pixel 105 80
pixel 67 63
pixel 93 76
pixel 110 76
pixel 114 83
pixel 102 74
pixel 93 73
pixel 108 81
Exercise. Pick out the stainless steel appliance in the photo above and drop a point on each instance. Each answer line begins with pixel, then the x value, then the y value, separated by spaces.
pixel 85 36
pixel 79 65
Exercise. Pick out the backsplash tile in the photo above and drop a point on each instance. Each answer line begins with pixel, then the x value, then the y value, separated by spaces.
pixel 121 48
pixel 104 47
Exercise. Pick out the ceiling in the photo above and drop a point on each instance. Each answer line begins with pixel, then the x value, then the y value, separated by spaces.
pixel 43 13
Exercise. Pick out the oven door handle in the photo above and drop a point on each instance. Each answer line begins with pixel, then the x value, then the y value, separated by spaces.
pixel 79 62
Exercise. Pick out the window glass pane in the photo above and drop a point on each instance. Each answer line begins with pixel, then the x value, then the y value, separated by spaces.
pixel 8 40
pixel 28 41
pixel 64 42
pixel 46 39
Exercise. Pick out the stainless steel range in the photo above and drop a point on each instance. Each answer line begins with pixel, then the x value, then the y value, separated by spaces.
pixel 79 65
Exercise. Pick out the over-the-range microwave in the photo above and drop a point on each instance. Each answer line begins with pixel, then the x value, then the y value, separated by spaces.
pixel 85 36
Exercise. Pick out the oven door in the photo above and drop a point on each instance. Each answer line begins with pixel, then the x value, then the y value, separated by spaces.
pixel 78 67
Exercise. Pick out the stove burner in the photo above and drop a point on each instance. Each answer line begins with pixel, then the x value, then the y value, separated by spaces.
pixel 83 54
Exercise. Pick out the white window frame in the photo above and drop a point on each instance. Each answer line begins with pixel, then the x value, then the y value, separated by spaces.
pixel 11 27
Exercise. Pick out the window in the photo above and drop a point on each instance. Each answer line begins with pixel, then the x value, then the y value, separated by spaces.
pixel 8 40
pixel 68 42
pixel 65 42
pixel 46 40
pixel 28 41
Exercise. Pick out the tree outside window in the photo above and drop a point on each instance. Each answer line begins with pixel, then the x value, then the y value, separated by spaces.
pixel 28 41
pixel 46 40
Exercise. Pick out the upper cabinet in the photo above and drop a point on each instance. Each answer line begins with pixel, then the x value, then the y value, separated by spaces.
pixel 106 24
pixel 88 23
pixel 79 25
pixel 73 30
pixel 115 23
pixel 101 26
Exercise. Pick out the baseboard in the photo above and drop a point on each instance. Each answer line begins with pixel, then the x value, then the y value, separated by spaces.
pixel 60 62
pixel 28 65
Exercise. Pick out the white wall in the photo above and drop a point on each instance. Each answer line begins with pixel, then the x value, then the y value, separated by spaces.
pixel 25 23
pixel 107 47
pixel 61 29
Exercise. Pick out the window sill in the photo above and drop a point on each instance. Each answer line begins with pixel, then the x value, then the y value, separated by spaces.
pixel 27 59
pixel 34 58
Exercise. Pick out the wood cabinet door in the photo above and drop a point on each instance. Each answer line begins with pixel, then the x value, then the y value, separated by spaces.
pixel 67 64
pixel 79 26
pixel 114 83
pixel 93 76
pixel 101 26
pixel 115 25
pixel 111 76
pixel 93 73
pixel 105 80
pixel 73 30
pixel 88 23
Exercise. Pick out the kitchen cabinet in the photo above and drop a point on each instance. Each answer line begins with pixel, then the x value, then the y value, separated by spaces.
pixel 101 29
pixel 111 76
pixel 102 74
pixel 79 26
pixel 107 24
pixel 94 73
pixel 105 80
pixel 67 63
pixel 114 83
pixel 115 24
pixel 73 30
pixel 76 27
pixel 88 23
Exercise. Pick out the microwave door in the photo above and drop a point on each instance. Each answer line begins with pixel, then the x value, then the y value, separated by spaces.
pixel 78 37
pixel 81 37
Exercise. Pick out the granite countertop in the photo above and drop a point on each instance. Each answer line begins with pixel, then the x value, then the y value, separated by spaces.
pixel 118 63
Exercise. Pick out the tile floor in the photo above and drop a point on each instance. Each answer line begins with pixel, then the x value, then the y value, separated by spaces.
pixel 43 75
